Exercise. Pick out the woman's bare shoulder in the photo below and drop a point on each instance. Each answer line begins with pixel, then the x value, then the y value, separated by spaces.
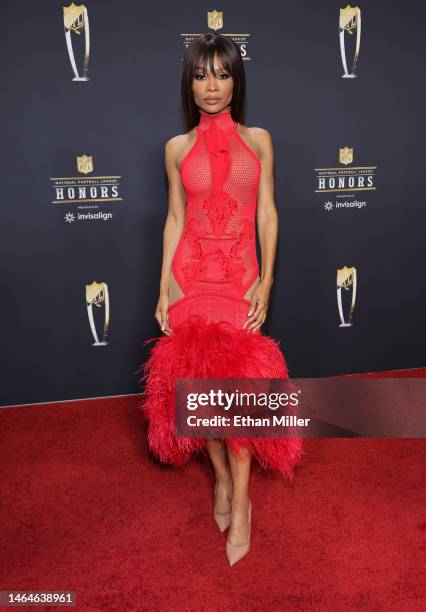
pixel 259 139
pixel 262 135
pixel 177 146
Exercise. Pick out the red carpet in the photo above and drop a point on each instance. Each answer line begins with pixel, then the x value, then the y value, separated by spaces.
pixel 84 508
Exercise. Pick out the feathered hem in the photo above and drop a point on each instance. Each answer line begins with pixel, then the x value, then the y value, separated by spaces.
pixel 197 349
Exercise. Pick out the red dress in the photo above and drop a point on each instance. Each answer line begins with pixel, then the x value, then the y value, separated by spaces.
pixel 214 264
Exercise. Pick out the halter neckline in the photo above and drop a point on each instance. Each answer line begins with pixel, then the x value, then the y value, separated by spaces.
pixel 221 120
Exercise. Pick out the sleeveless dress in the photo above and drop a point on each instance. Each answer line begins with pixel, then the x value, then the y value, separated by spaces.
pixel 214 265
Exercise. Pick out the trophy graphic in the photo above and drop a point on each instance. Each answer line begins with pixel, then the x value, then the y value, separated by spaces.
pixel 75 20
pixel 96 295
pixel 215 20
pixel 349 21
pixel 346 278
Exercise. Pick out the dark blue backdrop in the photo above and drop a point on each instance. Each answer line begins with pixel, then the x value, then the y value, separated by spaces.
pixel 123 115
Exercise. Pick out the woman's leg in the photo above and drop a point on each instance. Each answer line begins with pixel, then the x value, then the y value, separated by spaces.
pixel 218 457
pixel 240 469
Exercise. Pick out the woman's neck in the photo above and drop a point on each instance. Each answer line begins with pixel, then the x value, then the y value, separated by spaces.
pixel 221 119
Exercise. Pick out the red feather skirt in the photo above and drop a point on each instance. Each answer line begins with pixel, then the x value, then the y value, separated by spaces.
pixel 208 341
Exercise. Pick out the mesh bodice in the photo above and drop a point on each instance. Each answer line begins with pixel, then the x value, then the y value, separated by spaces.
pixel 220 176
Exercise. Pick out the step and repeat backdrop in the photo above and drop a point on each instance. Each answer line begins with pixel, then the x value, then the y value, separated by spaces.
pixel 91 94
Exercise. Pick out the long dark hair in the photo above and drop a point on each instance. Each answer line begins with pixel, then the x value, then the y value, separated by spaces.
pixel 201 51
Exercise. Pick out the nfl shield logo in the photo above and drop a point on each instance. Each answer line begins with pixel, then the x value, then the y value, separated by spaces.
pixel 74 17
pixel 84 164
pixel 215 20
pixel 346 155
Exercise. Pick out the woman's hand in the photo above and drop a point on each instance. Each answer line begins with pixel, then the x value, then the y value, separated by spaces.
pixel 161 313
pixel 259 306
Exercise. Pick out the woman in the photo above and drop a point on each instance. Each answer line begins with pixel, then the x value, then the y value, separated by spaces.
pixel 213 301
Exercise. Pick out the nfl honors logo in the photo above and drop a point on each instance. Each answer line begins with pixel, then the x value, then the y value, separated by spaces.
pixel 84 164
pixel 215 20
pixel 346 155
pixel 79 189
pixel 341 179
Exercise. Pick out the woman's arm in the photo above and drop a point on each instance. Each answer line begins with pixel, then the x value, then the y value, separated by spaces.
pixel 267 226
pixel 173 227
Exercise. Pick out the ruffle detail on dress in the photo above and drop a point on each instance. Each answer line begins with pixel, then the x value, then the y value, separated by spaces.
pixel 197 349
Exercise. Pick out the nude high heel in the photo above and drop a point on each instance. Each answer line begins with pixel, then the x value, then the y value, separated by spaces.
pixel 221 520
pixel 235 552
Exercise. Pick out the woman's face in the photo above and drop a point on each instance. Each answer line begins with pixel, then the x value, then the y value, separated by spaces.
pixel 212 93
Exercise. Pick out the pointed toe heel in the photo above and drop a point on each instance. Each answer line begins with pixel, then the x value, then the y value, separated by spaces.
pixel 235 552
pixel 222 520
